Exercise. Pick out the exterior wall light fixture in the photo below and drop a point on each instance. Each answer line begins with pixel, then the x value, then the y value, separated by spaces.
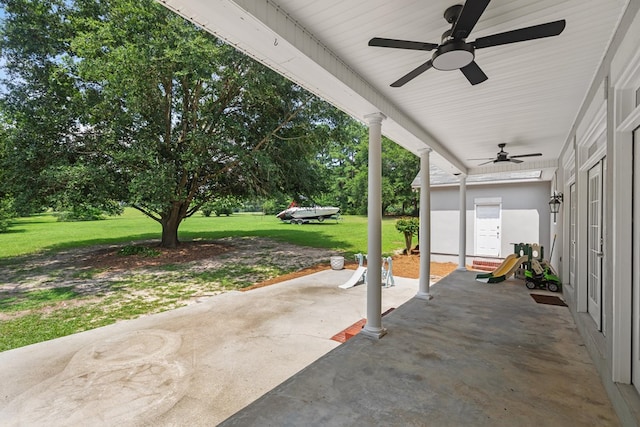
pixel 554 204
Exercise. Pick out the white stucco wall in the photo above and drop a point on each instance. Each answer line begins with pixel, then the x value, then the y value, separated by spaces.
pixel 525 215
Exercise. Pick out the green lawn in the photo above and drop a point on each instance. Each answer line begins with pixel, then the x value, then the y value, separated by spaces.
pixel 42 233
pixel 35 315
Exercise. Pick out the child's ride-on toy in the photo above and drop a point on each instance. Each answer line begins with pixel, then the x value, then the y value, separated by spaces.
pixel 541 275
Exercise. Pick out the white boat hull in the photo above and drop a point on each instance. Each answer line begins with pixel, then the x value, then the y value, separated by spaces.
pixel 305 213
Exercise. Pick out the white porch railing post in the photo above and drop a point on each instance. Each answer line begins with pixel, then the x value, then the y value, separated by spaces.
pixel 373 327
pixel 425 226
pixel 462 242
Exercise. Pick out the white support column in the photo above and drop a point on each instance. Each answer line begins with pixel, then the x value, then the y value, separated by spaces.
pixel 462 236
pixel 373 327
pixel 425 226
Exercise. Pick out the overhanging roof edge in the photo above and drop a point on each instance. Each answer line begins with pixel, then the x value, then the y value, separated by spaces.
pixel 296 54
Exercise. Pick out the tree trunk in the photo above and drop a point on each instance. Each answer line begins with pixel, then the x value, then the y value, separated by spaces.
pixel 408 239
pixel 169 235
pixel 170 224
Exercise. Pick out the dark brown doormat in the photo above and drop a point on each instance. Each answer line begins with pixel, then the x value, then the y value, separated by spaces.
pixel 548 299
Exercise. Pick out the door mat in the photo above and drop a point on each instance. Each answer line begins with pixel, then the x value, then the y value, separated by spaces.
pixel 548 299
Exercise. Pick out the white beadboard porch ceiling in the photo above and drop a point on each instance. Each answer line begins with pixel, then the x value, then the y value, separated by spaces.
pixel 530 101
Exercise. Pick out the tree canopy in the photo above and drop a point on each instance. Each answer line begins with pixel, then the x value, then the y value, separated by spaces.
pixel 136 104
pixel 344 158
pixel 121 101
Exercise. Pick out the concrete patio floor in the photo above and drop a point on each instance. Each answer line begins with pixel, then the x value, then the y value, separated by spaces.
pixel 476 354
pixel 194 366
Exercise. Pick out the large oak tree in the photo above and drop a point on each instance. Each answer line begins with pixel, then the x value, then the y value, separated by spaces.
pixel 145 108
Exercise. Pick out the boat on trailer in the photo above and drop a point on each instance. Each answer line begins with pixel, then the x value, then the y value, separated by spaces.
pixel 302 214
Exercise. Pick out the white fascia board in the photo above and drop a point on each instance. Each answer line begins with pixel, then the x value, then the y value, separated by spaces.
pixel 263 31
pixel 546 166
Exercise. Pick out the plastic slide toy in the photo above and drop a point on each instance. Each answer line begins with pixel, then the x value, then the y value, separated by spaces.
pixel 504 271
pixel 357 276
pixel 360 275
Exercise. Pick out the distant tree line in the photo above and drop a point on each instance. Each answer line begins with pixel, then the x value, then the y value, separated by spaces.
pixel 112 103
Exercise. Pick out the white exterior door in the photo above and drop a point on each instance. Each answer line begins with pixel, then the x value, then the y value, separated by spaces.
pixel 595 244
pixel 488 230
pixel 572 234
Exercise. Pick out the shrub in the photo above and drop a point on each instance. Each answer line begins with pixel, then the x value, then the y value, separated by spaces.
pixel 394 210
pixel 220 206
pixel 80 213
pixel 251 206
pixel 269 207
pixel 7 213
pixel 409 227
pixel 207 209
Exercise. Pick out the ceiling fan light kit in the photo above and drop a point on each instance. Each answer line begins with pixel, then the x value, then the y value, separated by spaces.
pixel 452 55
pixel 454 52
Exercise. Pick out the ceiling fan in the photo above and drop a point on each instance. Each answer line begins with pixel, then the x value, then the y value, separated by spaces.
pixel 503 156
pixel 454 52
